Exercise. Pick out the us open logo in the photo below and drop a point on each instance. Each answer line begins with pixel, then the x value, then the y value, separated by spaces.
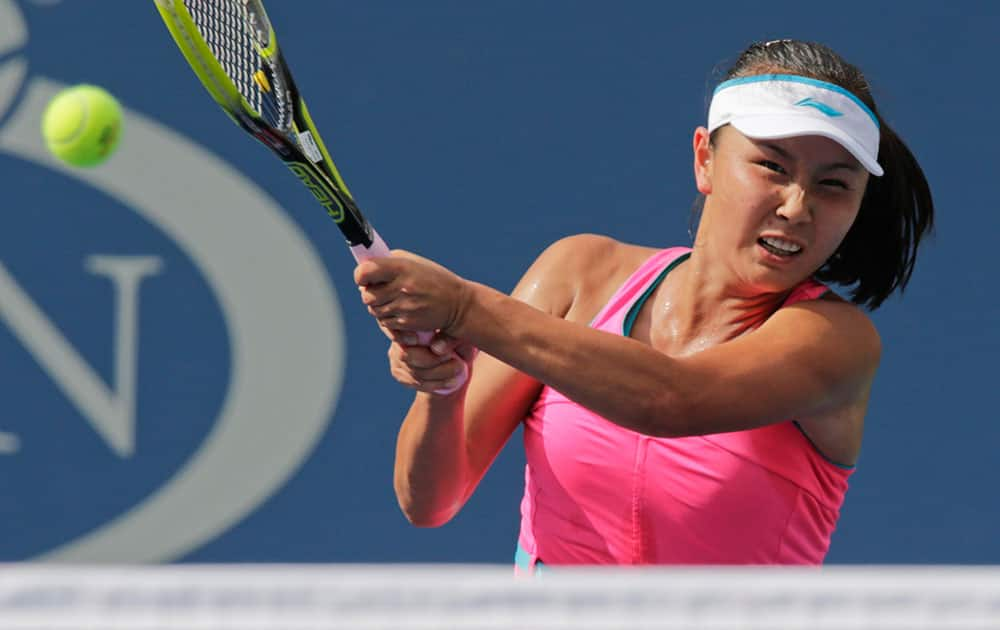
pixel 171 348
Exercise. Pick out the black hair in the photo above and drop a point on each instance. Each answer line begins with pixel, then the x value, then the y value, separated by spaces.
pixel 878 253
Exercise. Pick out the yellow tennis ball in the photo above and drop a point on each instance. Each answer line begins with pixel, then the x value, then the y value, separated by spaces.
pixel 82 125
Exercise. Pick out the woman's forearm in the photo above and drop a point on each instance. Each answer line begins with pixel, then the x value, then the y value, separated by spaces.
pixel 432 467
pixel 625 381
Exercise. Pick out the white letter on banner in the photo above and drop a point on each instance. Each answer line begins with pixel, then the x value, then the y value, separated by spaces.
pixel 110 412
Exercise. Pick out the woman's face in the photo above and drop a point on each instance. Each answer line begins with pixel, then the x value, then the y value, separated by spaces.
pixel 775 210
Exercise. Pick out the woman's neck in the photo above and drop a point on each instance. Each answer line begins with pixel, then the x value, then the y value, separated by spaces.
pixel 702 304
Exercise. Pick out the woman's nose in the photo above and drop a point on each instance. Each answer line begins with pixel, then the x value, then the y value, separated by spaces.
pixel 795 205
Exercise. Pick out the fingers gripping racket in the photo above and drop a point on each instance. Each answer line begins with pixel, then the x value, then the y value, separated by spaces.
pixel 232 48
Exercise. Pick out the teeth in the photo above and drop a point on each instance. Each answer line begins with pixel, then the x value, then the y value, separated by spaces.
pixel 783 245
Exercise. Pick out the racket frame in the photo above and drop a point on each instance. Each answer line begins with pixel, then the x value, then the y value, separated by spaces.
pixel 319 176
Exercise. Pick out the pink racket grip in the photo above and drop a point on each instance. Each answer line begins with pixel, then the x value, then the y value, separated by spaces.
pixel 379 249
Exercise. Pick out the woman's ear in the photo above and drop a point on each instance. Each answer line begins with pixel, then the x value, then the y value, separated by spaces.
pixel 703 160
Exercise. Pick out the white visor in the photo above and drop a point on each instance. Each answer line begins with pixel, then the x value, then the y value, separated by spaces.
pixel 783 106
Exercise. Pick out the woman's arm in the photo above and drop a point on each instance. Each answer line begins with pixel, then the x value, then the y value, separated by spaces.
pixel 806 360
pixel 446 443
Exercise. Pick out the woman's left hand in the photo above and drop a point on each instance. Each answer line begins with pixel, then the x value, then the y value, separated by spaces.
pixel 406 292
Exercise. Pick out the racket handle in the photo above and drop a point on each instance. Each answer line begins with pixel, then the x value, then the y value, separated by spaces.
pixel 379 249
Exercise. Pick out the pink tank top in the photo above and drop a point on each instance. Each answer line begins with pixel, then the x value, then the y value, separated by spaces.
pixel 596 493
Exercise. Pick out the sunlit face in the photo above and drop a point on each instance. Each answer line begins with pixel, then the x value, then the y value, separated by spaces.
pixel 775 210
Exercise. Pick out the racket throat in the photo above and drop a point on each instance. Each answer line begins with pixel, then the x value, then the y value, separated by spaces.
pixel 356 231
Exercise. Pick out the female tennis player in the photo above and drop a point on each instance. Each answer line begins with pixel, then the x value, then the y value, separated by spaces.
pixel 680 406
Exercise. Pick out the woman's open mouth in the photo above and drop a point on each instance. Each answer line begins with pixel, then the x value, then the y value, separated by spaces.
pixel 779 247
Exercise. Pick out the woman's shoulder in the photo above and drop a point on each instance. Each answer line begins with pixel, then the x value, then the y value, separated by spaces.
pixel 587 269
pixel 593 254
pixel 835 319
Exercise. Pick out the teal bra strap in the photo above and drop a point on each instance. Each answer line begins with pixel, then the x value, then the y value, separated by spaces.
pixel 634 311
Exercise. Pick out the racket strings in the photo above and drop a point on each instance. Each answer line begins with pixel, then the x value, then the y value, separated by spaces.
pixel 228 30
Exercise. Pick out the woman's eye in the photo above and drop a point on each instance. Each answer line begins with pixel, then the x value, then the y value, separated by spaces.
pixel 836 183
pixel 772 166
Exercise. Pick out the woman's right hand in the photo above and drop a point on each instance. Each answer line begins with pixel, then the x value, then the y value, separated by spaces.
pixel 433 368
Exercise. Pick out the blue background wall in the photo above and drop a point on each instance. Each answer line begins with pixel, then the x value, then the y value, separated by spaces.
pixel 474 133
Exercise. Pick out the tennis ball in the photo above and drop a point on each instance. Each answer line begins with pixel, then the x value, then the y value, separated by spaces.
pixel 82 125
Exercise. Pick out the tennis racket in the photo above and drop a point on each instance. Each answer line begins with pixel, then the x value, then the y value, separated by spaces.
pixel 232 47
